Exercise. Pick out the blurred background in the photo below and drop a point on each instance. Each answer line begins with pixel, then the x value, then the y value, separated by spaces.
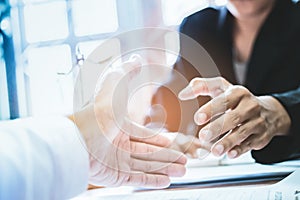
pixel 42 40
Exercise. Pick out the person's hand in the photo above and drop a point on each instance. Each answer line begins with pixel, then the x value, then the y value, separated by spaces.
pixel 235 120
pixel 121 151
pixel 186 144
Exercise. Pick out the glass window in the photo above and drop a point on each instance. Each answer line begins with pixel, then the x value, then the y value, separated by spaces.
pixel 4 104
pixel 175 11
pixel 47 21
pixel 94 16
pixel 50 92
pixel 86 48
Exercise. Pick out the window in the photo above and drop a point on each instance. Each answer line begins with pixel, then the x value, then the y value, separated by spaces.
pixel 175 11
pixel 53 36
pixel 46 86
pixel 101 17
pixel 4 105
pixel 47 21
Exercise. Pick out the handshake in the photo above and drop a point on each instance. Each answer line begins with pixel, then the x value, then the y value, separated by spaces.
pixel 124 152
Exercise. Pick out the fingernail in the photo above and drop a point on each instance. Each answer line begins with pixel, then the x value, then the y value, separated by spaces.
pixel 219 149
pixel 205 135
pixel 186 94
pixel 232 154
pixel 201 118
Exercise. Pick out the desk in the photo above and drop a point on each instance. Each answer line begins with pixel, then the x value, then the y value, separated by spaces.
pixel 226 184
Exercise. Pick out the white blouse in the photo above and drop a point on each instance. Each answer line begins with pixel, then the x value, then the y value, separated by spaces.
pixel 240 69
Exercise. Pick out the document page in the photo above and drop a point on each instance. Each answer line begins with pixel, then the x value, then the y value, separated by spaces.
pixel 287 189
pixel 201 175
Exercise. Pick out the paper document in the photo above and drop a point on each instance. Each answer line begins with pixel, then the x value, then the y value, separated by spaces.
pixel 287 189
pixel 233 173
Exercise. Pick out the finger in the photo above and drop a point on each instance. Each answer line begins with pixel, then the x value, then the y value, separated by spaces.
pixel 254 142
pixel 148 180
pixel 189 145
pixel 244 147
pixel 245 110
pixel 156 140
pixel 152 153
pixel 204 87
pixel 237 136
pixel 230 99
pixel 140 133
pixel 154 167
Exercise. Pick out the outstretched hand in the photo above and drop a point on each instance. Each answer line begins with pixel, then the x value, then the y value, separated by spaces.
pixel 235 120
pixel 121 151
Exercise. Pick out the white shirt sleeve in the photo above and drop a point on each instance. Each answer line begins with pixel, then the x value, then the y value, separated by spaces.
pixel 42 159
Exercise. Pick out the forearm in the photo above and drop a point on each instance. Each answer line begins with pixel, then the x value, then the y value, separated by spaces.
pixel 285 146
pixel 39 156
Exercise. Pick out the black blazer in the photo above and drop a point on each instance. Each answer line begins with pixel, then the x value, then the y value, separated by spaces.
pixel 273 69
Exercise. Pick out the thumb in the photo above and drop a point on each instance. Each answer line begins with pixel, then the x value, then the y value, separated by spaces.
pixel 204 87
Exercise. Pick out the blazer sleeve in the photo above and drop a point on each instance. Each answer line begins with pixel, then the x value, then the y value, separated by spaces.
pixel 42 159
pixel 284 147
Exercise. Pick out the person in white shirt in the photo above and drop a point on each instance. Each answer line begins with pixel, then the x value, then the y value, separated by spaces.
pixel 52 158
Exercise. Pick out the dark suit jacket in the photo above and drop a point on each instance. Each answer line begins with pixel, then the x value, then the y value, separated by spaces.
pixel 273 69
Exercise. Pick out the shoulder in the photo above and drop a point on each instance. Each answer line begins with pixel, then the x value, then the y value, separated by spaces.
pixel 297 10
pixel 201 20
pixel 294 18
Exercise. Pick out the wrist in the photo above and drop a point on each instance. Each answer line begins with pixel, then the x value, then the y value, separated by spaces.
pixel 86 123
pixel 276 115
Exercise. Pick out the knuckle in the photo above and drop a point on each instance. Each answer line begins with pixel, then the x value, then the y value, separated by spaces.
pixel 241 90
pixel 247 145
pixel 243 132
pixel 261 144
pixel 132 164
pixel 217 127
pixel 195 81
pixel 168 169
pixel 234 117
pixel 261 125
pixel 148 167
pixel 261 120
pixel 223 101
pixel 143 180
pixel 254 107
pixel 228 144
pixel 133 147
pixel 222 80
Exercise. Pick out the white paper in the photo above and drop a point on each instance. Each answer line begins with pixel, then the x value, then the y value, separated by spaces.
pixel 284 190
pixel 197 174
pixel 230 172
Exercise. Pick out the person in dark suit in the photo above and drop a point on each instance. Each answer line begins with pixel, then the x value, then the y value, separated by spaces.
pixel 254 101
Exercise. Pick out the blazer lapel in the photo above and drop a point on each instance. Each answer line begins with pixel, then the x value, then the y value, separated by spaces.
pixel 267 47
pixel 225 27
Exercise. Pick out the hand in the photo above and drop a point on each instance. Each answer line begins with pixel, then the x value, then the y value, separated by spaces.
pixel 121 151
pixel 236 120
pixel 186 144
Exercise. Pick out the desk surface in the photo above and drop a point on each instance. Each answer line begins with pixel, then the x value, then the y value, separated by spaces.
pixel 96 193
